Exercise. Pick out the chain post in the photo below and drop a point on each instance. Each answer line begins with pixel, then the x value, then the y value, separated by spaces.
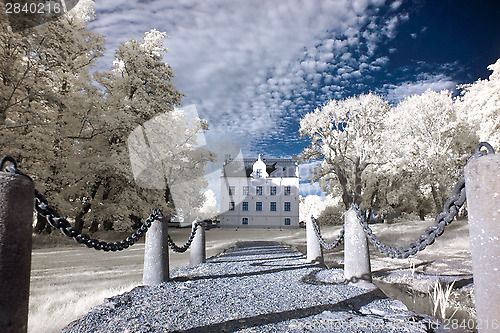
pixel 482 178
pixel 322 242
pixel 156 264
pixel 16 217
pixel 357 269
pixel 314 250
pixel 197 253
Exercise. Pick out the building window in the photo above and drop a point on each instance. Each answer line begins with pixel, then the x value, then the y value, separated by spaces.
pixel 287 221
pixel 258 173
pixel 258 206
pixel 231 205
pixel 273 206
pixel 231 190
pixel 244 220
pixel 245 190
pixel 273 190
pixel 287 190
pixel 245 205
pixel 259 190
pixel 287 206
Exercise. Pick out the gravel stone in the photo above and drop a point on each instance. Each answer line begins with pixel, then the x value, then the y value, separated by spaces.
pixel 254 287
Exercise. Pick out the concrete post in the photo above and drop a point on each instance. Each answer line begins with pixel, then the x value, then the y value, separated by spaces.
pixel 482 181
pixel 16 218
pixel 156 265
pixel 197 253
pixel 357 268
pixel 314 250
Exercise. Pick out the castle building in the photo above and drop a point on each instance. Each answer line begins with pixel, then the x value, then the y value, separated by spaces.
pixel 257 193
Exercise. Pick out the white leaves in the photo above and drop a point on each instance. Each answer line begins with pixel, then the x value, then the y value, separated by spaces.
pixel 152 43
pixel 479 106
pixel 430 142
pixel 119 67
pixel 351 127
pixel 84 11
pixel 425 124
pixel 209 208
pixel 495 68
pixel 139 82
pixel 166 152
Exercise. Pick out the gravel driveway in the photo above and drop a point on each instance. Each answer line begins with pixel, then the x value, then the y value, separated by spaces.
pixel 254 287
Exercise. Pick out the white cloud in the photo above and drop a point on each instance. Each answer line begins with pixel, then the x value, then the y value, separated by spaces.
pixel 396 93
pixel 306 189
pixel 395 5
pixel 305 173
pixel 306 169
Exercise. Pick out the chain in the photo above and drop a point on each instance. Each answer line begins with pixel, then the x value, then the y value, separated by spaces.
pixel 182 249
pixel 323 243
pixel 450 210
pixel 55 220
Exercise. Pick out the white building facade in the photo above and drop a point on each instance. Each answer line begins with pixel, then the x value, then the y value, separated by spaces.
pixel 257 193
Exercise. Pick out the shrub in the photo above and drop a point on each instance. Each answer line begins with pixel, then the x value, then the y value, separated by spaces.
pixel 332 215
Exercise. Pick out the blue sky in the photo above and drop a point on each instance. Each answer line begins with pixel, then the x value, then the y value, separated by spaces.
pixel 253 68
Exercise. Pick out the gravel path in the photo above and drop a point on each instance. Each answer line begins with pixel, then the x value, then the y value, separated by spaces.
pixel 255 287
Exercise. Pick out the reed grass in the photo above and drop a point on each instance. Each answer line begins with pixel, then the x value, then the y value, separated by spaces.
pixel 440 297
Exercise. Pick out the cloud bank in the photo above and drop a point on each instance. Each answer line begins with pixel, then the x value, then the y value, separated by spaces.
pixel 252 68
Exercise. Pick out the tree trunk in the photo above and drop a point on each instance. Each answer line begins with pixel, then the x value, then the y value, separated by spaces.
pixel 374 196
pixel 357 182
pixel 136 221
pixel 79 217
pixel 168 198
pixel 346 196
pixel 435 196
pixel 94 226
pixel 107 225
pixel 40 224
pixel 79 222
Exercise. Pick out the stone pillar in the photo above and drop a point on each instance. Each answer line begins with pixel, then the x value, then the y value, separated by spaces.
pixel 16 218
pixel 156 265
pixel 482 181
pixel 357 268
pixel 314 250
pixel 197 253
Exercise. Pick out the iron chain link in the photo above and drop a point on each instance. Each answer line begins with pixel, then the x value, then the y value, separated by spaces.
pixel 55 220
pixel 323 243
pixel 182 249
pixel 450 209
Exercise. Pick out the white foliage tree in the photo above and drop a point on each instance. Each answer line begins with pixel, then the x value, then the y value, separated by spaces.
pixel 479 106
pixel 164 154
pixel 46 95
pixel 140 95
pixel 311 205
pixel 331 200
pixel 209 208
pixel 429 143
pixel 347 136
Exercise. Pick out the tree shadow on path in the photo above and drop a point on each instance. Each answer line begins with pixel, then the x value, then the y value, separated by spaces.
pixel 349 305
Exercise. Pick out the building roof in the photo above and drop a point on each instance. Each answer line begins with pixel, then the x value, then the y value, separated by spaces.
pixel 274 167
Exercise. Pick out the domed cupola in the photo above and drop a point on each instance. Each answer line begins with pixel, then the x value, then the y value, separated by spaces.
pixel 259 169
